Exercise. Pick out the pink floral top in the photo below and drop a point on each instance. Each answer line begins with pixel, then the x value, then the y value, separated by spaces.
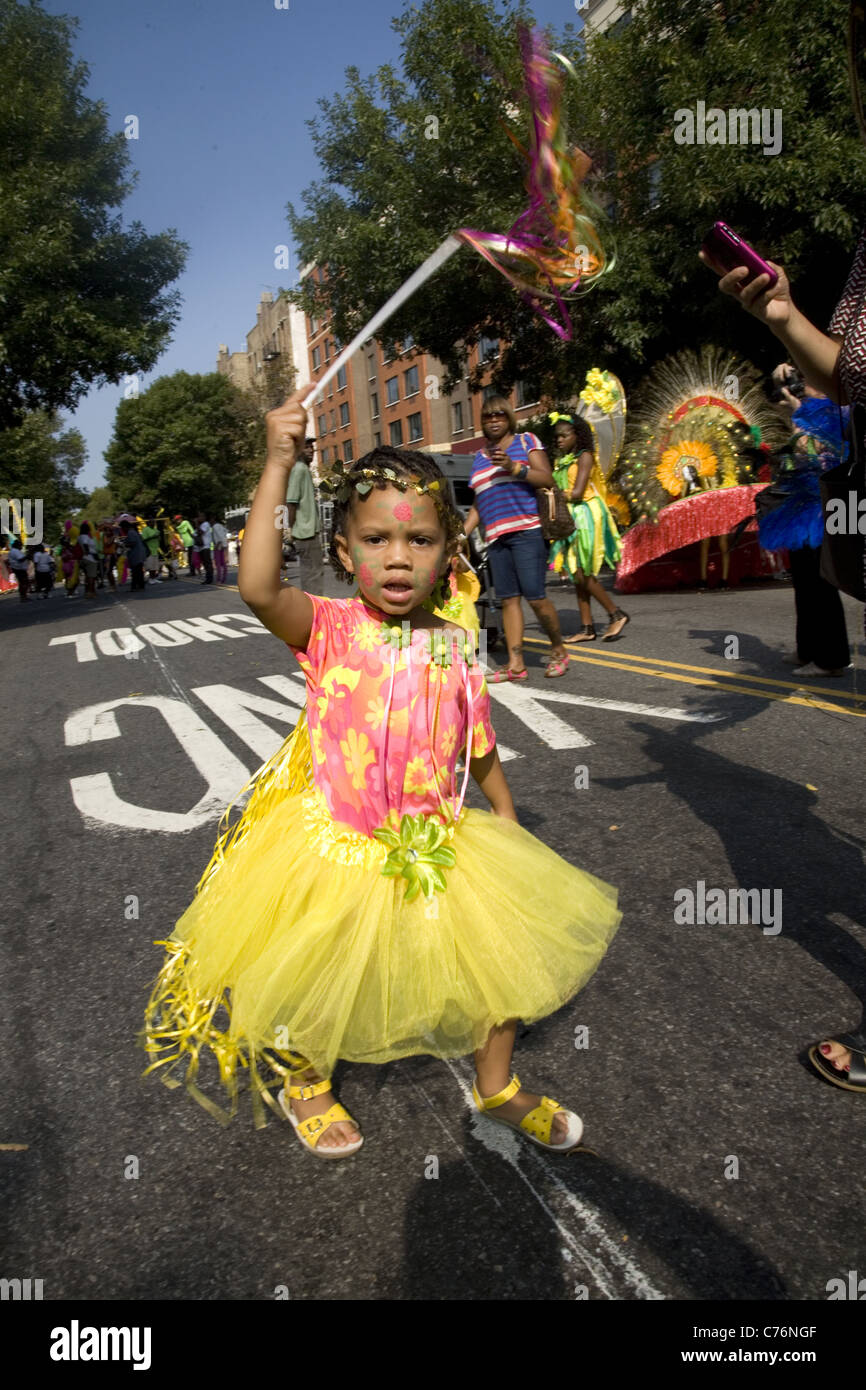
pixel 386 731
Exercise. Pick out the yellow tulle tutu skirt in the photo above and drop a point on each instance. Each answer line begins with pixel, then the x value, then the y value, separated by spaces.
pixel 297 945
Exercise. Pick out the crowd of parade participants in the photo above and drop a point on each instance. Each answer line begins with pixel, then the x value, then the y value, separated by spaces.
pixel 127 551
pixel 636 501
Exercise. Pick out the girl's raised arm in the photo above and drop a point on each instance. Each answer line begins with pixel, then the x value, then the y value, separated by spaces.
pixel 285 610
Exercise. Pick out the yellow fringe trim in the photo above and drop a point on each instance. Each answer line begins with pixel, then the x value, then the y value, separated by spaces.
pixel 289 772
pixel 178 1022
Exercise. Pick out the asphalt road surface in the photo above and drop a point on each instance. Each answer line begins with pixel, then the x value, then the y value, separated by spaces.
pixel 685 754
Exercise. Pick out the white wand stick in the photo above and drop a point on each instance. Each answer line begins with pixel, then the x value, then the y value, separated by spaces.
pixel 408 288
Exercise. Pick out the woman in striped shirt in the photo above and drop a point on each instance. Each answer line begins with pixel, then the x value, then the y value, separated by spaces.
pixel 504 478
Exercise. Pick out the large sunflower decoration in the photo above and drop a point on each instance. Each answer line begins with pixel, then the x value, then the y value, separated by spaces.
pixel 696 421
pixel 682 464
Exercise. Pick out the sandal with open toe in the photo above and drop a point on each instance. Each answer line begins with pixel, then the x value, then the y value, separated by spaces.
pixel 616 625
pixel 505 673
pixel 854 1079
pixel 558 667
pixel 311 1130
pixel 537 1124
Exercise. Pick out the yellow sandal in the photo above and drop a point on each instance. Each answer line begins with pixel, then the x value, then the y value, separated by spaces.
pixel 310 1131
pixel 537 1124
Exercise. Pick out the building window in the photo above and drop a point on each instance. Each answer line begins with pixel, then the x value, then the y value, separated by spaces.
pixel 374 404
pixel 323 425
pixel 525 393
pixel 326 456
pixel 333 419
pixel 371 369
pixel 344 413
pixel 488 349
pixel 377 439
pixel 317 358
pixel 410 382
pixel 327 354
pixel 491 390
pixel 392 387
pixel 341 379
pixel 388 353
pixel 348 451
pixel 409 342
pixel 396 428
pixel 457 417
pixel 416 429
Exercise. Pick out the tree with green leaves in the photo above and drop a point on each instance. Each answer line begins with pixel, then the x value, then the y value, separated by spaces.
pixel 409 156
pixel 188 443
pixel 41 460
pixel 83 300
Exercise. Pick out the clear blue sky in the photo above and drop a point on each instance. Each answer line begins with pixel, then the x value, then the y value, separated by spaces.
pixel 222 89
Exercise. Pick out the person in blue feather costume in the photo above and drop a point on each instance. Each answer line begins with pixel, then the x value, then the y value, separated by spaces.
pixel 797 525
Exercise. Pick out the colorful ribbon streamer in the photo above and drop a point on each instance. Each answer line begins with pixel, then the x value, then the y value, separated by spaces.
pixel 554 248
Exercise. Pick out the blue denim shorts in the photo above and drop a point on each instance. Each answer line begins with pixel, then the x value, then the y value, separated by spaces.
pixel 518 564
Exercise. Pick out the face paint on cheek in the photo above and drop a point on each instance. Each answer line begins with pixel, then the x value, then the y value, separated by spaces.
pixel 365 574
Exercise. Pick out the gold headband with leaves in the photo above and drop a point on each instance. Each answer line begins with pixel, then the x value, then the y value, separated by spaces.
pixel 340 483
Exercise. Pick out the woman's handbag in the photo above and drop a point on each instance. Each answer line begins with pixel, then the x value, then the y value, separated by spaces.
pixel 557 523
pixel 843 494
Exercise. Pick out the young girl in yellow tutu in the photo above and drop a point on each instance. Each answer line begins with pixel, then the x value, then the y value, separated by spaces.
pixel 358 909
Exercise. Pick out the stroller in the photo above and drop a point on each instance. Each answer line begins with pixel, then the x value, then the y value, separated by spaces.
pixel 488 606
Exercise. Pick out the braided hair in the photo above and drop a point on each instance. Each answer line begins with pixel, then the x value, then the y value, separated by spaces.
pixel 406 463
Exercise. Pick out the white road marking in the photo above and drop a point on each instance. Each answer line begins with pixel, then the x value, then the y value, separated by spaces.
pixel 95 795
pixel 205 629
pixel 234 707
pixel 507 1145
pixel 163 635
pixel 173 632
pixel 249 619
pixel 527 708
pixel 83 643
pixel 119 641
pixel 624 707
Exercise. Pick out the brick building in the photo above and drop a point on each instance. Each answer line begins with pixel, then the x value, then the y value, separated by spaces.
pixel 396 397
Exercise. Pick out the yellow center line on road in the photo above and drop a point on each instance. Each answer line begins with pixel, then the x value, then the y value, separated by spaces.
pixel 715 671
pixel 622 664
pixel 720 679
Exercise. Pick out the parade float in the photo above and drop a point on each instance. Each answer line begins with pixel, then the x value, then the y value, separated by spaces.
pixel 696 456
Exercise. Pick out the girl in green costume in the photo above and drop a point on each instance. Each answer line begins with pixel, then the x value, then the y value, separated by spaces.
pixel 595 539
